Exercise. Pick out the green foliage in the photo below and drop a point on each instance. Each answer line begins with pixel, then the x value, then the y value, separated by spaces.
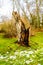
pixel 14 54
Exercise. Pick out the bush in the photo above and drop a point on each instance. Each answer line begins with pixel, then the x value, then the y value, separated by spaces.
pixel 9 29
pixel 1 30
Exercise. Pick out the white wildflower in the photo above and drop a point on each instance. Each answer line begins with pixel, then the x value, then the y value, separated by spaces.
pixel 36 51
pixel 1 57
pixel 12 57
pixel 21 52
pixel 39 64
pixel 27 55
pixel 16 53
pixel 31 60
pixel 30 52
pixel 27 62
pixel 25 51
pixel 7 52
pixel 5 57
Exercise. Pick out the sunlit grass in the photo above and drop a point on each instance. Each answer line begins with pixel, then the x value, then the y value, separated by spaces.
pixel 37 40
pixel 14 54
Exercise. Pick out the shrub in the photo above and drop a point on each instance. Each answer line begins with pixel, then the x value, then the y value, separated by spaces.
pixel 9 29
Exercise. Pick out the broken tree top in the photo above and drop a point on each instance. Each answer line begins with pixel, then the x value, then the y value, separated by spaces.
pixel 23 18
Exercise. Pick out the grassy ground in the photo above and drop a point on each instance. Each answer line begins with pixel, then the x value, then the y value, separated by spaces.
pixel 14 54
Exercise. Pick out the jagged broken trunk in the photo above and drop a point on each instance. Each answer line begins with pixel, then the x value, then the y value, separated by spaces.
pixel 22 32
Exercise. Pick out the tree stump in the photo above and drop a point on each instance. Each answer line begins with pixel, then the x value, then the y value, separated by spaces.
pixel 23 33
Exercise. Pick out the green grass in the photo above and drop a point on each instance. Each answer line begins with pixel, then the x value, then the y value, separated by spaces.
pixel 14 54
pixel 6 44
pixel 37 40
